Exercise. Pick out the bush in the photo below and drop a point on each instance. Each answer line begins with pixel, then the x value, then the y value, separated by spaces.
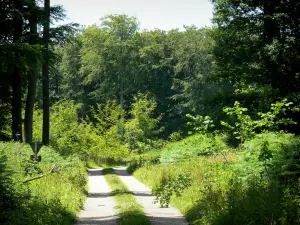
pixel 67 135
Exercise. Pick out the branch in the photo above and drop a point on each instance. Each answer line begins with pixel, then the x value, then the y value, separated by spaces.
pixel 41 176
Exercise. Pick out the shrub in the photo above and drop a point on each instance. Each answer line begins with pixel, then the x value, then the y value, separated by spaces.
pixel 243 127
pixel 260 186
pixel 67 135
pixel 174 186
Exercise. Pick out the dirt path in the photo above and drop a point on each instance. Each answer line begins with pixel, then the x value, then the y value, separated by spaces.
pixel 157 215
pixel 99 207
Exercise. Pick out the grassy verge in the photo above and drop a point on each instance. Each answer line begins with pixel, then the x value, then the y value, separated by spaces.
pixel 236 188
pixel 208 175
pixel 54 198
pixel 131 212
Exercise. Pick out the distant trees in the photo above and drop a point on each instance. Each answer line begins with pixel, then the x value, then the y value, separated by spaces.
pixel 115 62
pixel 250 56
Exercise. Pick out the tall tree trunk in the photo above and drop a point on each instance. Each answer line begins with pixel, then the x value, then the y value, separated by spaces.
pixel 16 77
pixel 45 71
pixel 271 31
pixel 32 81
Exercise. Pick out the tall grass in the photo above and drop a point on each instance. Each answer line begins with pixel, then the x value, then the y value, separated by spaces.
pixel 259 185
pixel 54 198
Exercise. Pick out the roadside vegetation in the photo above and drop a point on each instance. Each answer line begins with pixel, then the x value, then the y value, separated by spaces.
pixel 49 192
pixel 257 182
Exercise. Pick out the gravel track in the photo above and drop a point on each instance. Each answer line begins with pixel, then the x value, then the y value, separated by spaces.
pixel 100 207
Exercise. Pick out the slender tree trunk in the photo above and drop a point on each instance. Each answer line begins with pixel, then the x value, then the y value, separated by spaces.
pixel 122 107
pixel 271 31
pixel 16 77
pixel 45 71
pixel 32 81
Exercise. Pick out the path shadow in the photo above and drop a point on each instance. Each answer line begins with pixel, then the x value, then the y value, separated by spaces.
pixel 113 221
pixel 105 195
pixel 167 221
pixel 122 172
pixel 97 220
pixel 95 172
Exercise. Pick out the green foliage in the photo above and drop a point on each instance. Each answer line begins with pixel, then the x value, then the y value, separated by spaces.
pixel 107 115
pixel 205 182
pixel 200 124
pixel 250 47
pixel 67 135
pixel 273 119
pixel 141 130
pixel 245 127
pixel 196 145
pixel 116 61
pixel 8 201
pixel 176 185
pixel 55 198
pixel 271 154
pixel 175 136
pixel 259 185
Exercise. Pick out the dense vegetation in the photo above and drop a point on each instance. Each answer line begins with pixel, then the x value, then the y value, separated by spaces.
pixel 49 192
pixel 212 112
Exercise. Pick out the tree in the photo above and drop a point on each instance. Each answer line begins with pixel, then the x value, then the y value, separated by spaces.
pixel 16 76
pixel 257 43
pixel 32 79
pixel 123 28
pixel 45 74
pixel 256 51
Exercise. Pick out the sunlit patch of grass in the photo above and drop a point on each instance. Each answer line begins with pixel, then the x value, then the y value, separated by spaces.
pixel 130 211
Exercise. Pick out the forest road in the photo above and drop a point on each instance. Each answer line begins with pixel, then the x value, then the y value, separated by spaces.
pixel 100 207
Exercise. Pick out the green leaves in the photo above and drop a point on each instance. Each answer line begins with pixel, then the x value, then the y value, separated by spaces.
pixel 174 186
pixel 244 127
pixel 142 128
pixel 200 124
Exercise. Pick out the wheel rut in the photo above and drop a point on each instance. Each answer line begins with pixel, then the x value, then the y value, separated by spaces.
pixel 99 207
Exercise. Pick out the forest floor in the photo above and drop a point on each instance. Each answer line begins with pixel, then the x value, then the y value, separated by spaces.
pixel 100 207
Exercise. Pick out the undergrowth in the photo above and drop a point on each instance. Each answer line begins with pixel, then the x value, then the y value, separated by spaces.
pixel 27 199
pixel 196 145
pixel 258 185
